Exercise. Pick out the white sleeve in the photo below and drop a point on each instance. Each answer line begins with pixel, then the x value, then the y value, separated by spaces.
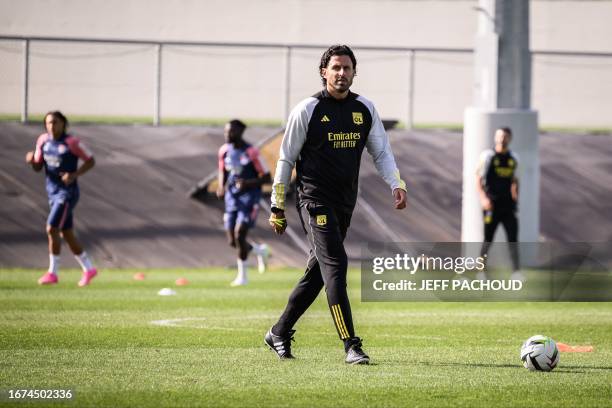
pixel 380 149
pixel 484 162
pixel 516 164
pixel 291 146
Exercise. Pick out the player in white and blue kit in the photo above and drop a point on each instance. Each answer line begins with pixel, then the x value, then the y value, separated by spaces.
pixel 59 153
pixel 241 175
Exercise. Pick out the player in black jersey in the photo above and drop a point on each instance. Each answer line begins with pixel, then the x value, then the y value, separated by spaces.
pixel 324 139
pixel 497 185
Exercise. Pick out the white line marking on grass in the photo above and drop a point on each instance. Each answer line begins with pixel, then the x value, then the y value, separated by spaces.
pixel 410 336
pixel 203 323
pixel 209 323
pixel 169 322
pixel 178 323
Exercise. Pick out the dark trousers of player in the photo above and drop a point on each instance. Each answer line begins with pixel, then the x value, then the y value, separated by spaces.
pixel 326 267
pixel 507 218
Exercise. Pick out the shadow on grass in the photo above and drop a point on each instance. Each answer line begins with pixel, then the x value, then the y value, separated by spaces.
pixel 563 369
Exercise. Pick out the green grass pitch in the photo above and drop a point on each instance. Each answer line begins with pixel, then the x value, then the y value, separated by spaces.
pixel 206 348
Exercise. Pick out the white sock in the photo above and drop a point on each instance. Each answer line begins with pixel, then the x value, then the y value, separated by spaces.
pixel 54 261
pixel 261 249
pixel 257 249
pixel 242 269
pixel 84 261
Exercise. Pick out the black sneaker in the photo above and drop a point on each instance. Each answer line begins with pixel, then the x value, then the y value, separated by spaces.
pixel 355 354
pixel 279 344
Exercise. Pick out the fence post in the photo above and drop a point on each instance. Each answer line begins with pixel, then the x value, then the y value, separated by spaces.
pixel 26 81
pixel 410 121
pixel 157 88
pixel 287 107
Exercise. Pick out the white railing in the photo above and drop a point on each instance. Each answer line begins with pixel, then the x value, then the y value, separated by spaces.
pixel 410 53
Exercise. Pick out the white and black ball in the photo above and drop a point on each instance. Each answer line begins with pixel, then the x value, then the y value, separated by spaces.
pixel 540 353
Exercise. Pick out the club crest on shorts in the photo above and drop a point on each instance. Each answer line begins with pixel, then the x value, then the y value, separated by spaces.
pixel 322 220
pixel 358 118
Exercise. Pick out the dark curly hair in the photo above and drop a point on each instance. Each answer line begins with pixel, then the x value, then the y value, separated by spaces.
pixel 335 50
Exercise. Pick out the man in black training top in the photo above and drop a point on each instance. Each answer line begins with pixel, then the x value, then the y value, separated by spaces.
pixel 324 138
pixel 497 186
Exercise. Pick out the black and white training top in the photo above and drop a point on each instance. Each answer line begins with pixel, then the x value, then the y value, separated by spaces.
pixel 497 172
pixel 326 137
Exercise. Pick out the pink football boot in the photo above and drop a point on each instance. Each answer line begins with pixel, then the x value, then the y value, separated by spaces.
pixel 48 279
pixel 87 277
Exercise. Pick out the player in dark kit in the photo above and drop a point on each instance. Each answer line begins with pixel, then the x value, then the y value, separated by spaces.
pixel 324 139
pixel 241 175
pixel 59 154
pixel 497 185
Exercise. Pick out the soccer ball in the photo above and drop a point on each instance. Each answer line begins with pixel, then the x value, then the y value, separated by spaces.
pixel 540 353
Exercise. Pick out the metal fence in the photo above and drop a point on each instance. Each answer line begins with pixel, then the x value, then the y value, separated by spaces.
pixel 286 51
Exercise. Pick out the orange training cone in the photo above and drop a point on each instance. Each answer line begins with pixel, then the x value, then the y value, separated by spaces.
pixel 566 348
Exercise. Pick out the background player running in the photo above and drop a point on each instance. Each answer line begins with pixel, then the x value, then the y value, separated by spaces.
pixel 241 175
pixel 59 154
pixel 324 139
pixel 497 185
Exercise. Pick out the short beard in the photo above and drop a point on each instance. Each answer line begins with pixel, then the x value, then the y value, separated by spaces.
pixel 342 88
